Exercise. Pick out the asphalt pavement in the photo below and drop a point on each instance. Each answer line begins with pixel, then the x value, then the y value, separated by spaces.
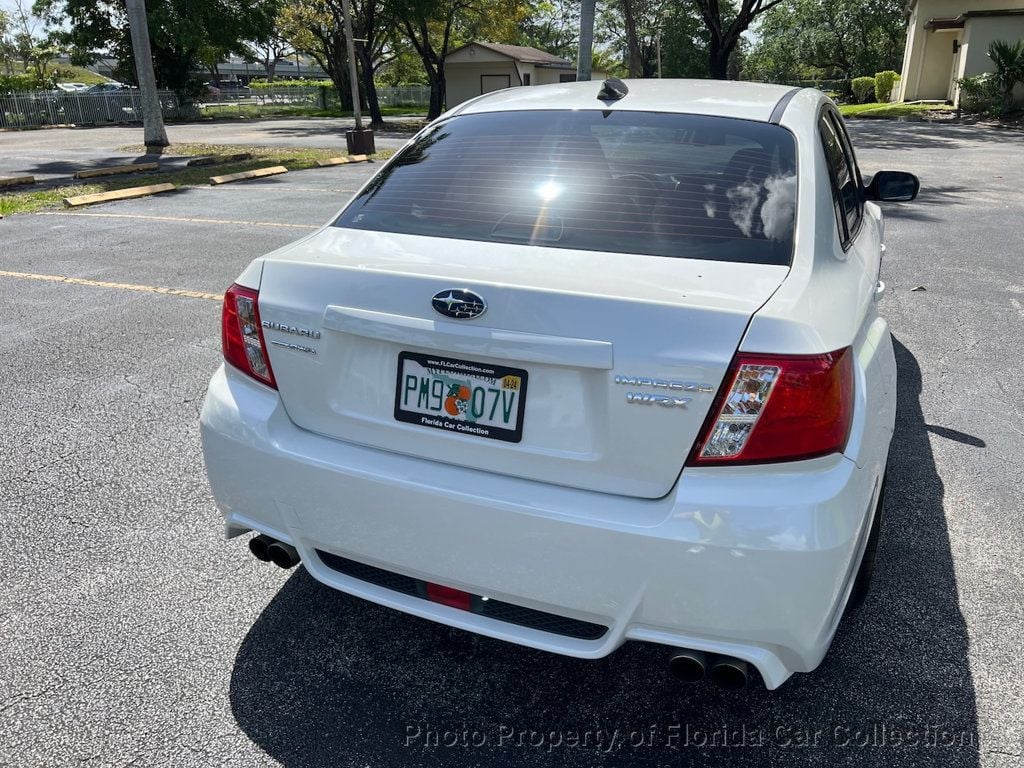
pixel 51 153
pixel 133 633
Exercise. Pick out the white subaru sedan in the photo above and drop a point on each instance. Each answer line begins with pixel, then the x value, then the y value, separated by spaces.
pixel 581 364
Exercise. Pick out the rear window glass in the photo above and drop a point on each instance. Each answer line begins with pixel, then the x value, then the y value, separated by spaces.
pixel 674 185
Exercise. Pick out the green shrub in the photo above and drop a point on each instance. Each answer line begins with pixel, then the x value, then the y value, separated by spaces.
pixel 980 95
pixel 292 84
pixel 1008 61
pixel 28 81
pixel 884 81
pixel 863 89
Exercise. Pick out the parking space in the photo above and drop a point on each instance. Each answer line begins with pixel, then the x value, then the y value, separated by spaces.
pixel 134 634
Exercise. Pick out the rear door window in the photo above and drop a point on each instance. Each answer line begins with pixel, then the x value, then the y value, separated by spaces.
pixel 847 189
pixel 672 185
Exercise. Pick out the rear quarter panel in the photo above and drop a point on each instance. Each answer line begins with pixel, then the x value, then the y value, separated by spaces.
pixel 828 300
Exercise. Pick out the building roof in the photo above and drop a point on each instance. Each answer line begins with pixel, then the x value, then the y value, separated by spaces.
pixel 958 22
pixel 521 53
pixel 726 98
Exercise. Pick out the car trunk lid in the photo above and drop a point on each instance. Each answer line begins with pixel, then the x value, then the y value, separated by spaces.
pixel 605 364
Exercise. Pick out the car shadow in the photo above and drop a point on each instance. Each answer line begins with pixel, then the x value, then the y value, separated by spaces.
pixel 933 203
pixel 327 679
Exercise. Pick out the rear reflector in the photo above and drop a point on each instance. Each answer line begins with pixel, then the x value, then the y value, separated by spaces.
pixel 455 598
pixel 242 336
pixel 779 408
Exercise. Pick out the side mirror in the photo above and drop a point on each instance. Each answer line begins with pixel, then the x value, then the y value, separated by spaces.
pixel 893 187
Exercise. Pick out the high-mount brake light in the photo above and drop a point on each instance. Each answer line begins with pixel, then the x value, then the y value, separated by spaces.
pixel 779 408
pixel 242 335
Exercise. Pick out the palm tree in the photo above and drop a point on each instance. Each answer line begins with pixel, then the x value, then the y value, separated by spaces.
pixel 1008 60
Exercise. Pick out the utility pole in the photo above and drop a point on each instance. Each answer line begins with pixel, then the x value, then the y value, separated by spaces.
pixel 152 116
pixel 585 56
pixel 360 140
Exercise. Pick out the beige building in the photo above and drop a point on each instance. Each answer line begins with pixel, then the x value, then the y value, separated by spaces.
pixel 949 39
pixel 478 68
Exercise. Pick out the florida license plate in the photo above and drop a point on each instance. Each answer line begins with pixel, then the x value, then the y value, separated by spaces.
pixel 461 396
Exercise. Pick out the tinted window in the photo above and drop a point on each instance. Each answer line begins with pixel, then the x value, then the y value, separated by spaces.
pixel 657 184
pixel 846 189
pixel 853 193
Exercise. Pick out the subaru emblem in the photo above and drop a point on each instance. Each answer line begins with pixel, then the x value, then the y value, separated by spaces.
pixel 459 304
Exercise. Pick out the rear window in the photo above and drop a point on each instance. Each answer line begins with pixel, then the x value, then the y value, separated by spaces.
pixel 684 186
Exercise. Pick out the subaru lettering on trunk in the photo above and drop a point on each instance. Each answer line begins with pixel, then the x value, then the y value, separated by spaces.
pixel 581 364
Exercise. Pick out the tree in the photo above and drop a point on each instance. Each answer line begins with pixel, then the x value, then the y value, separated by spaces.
pixel 725 25
pixel 435 27
pixel 634 27
pixel 403 67
pixel 371 25
pixel 182 33
pixel 317 27
pixel 312 27
pixel 25 40
pixel 552 26
pixel 271 48
pixel 805 39
pixel 6 43
pixel 428 26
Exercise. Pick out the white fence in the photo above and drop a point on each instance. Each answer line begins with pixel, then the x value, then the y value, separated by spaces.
pixel 38 108
pixel 404 96
pixel 315 97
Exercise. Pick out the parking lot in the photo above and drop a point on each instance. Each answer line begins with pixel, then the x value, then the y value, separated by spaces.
pixel 133 634
pixel 55 153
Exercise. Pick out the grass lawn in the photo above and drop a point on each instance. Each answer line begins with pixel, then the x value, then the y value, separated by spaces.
pixel 892 110
pixel 71 74
pixel 293 158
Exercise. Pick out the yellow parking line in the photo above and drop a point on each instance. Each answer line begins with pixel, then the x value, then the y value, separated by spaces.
pixel 122 286
pixel 180 218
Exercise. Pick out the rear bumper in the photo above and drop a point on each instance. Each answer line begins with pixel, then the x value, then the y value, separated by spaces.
pixel 754 563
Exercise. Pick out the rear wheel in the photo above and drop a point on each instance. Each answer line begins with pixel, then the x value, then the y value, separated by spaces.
pixel 862 584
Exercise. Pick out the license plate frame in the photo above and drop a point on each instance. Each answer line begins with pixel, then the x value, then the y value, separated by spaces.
pixel 472 371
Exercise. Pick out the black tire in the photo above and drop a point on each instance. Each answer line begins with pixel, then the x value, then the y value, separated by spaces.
pixel 862 583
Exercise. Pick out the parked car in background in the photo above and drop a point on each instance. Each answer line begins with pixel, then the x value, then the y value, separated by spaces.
pixel 72 87
pixel 110 87
pixel 233 89
pixel 583 363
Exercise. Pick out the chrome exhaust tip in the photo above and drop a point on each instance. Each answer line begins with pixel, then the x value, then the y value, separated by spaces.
pixel 730 674
pixel 688 666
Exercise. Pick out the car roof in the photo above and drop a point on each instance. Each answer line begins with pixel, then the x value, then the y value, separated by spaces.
pixel 724 98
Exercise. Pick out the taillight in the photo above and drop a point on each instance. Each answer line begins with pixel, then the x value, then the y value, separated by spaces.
pixel 779 408
pixel 242 336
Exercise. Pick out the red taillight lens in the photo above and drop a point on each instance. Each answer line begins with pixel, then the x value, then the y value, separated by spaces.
pixel 242 335
pixel 779 408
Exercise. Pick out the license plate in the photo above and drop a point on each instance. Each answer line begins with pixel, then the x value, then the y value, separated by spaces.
pixel 461 396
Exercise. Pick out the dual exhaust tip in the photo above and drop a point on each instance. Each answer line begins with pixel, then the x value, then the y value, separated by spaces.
pixel 725 671
pixel 688 666
pixel 273 551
